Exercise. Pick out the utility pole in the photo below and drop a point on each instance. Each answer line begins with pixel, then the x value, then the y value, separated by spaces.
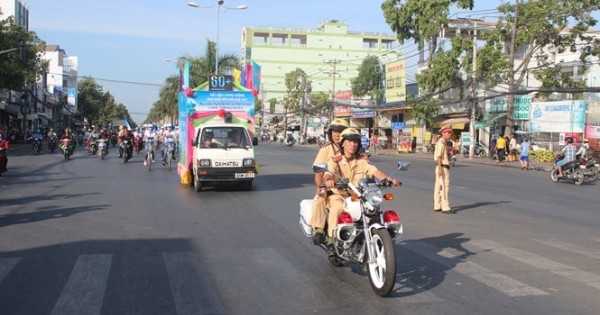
pixel 334 73
pixel 511 76
pixel 473 94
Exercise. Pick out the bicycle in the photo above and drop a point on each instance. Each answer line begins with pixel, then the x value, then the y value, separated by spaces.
pixel 170 150
pixel 150 154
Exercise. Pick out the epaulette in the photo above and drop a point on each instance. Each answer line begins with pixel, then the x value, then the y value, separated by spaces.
pixel 325 144
pixel 336 158
pixel 364 157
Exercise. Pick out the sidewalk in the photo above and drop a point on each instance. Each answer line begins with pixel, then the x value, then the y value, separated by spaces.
pixel 464 160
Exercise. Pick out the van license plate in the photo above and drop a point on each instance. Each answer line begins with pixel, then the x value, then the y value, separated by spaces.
pixel 244 175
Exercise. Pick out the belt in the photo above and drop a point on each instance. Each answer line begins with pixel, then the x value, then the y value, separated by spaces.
pixel 446 166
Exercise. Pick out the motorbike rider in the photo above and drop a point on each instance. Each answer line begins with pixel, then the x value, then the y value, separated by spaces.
pixel 319 206
pixel 351 165
pixel 39 134
pixel 168 136
pixel 582 151
pixel 69 136
pixel 4 146
pixel 568 153
pixel 123 134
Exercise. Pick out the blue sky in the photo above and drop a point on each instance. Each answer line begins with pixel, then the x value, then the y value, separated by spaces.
pixel 124 44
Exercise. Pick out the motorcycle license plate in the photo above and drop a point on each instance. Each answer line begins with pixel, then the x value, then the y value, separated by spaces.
pixel 244 175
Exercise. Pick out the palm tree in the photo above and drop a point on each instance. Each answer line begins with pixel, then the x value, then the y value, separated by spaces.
pixel 201 68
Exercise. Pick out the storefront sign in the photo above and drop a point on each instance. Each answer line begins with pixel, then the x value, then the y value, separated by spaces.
pixel 592 131
pixel 560 116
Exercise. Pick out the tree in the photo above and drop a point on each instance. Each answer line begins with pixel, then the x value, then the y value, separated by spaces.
pixel 272 104
pixel 19 62
pixel 535 32
pixel 201 67
pixel 98 106
pixel 368 81
pixel 297 84
pixel 320 102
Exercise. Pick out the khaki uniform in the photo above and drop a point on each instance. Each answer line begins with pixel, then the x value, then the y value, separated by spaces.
pixel 354 170
pixel 441 190
pixel 319 206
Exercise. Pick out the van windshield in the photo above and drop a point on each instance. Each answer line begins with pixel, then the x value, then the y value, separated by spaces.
pixel 220 137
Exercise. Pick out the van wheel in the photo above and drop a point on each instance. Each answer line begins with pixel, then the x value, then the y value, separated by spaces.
pixel 197 185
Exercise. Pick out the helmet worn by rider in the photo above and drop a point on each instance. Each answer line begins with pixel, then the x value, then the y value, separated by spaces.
pixel 350 134
pixel 339 124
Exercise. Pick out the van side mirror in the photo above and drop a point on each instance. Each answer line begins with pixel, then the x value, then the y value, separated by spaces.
pixel 194 142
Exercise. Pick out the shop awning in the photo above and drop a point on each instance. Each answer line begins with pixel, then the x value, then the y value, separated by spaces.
pixel 457 123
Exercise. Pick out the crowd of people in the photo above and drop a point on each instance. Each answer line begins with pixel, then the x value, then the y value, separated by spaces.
pixel 161 138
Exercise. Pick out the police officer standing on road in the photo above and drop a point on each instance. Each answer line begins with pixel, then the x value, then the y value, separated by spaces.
pixel 441 191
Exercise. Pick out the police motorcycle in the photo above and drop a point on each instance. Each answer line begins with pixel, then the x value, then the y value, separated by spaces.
pixel 37 143
pixel 364 233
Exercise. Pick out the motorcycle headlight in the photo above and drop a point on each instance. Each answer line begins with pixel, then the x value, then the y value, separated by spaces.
pixel 374 196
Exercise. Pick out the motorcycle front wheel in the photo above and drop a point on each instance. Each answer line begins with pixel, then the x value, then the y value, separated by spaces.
pixel 554 175
pixel 382 266
pixel 578 177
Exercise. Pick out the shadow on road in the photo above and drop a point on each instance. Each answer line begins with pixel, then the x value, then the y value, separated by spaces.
pixel 478 204
pixel 23 218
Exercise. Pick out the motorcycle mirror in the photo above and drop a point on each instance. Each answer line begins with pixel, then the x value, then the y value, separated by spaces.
pixel 403 165
pixel 320 168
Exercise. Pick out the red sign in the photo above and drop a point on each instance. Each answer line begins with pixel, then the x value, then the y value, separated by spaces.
pixel 343 95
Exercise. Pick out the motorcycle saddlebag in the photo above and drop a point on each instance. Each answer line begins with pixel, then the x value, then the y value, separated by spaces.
pixel 305 216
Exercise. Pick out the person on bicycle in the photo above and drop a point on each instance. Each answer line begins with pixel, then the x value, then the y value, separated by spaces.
pixel 150 137
pixel 168 139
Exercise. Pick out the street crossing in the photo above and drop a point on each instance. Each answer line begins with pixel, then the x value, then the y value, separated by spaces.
pixel 87 285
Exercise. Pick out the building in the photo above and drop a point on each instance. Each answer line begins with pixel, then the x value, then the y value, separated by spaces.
pixel 330 55
pixel 58 88
pixel 17 9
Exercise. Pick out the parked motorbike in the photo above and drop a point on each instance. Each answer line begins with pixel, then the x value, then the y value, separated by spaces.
pixel 288 142
pixel 572 171
pixel 126 149
pixel 479 150
pixel 364 233
pixel 102 148
pixel 52 143
pixel 65 147
pixel 37 145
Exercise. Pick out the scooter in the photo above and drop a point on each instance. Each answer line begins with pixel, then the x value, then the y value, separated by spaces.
pixel 126 149
pixel 590 167
pixel 364 234
pixel 65 147
pixel 479 150
pixel 572 171
pixel 52 143
pixel 37 145
pixel 102 148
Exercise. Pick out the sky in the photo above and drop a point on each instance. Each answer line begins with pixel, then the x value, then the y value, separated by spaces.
pixel 128 46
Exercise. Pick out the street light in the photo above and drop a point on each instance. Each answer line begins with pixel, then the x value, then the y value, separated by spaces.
pixel 219 4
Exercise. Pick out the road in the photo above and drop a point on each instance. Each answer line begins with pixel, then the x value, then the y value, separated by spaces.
pixel 91 236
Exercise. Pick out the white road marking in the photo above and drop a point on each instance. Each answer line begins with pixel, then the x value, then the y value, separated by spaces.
pixel 540 262
pixel 491 278
pixel 573 248
pixel 84 291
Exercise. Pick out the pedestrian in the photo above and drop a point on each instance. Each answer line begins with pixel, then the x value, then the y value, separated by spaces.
pixel 512 147
pixel 4 146
pixel 374 142
pixel 524 158
pixel 441 191
pixel 500 148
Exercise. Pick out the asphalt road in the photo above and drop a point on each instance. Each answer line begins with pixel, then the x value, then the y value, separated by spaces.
pixel 91 236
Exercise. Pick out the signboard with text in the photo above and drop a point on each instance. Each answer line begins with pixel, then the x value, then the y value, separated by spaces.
pixel 559 116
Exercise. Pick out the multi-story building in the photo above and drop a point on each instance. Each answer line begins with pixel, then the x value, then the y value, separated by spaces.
pixel 330 55
pixel 60 86
pixel 17 9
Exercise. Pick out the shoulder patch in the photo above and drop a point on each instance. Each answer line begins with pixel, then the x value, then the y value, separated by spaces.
pixel 364 157
pixel 336 158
